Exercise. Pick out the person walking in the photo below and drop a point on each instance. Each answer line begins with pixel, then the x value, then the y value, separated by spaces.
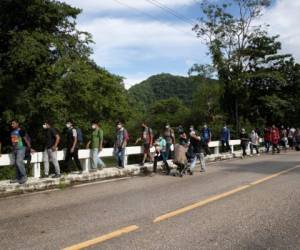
pixel 147 138
pixel 244 141
pixel 254 142
pixel 19 143
pixel 225 138
pixel 120 144
pixel 197 150
pixel 283 137
pixel 96 144
pixel 160 154
pixel 206 137
pixel 72 146
pixel 267 138
pixel 51 141
pixel 275 137
pixel 291 137
pixel 169 136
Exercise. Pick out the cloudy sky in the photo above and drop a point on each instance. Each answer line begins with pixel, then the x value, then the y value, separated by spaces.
pixel 137 38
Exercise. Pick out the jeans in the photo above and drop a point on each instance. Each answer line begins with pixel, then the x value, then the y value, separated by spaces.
pixel 199 156
pixel 120 156
pixel 244 148
pixel 163 157
pixel 225 145
pixel 267 146
pixel 168 150
pixel 50 155
pixel 70 156
pixel 96 160
pixel 18 161
pixel 275 146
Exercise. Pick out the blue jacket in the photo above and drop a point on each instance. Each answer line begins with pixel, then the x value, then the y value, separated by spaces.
pixel 225 134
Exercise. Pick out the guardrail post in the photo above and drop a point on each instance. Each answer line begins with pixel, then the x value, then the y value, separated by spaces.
pixel 217 150
pixel 125 158
pixel 36 170
pixel 86 165
pixel 232 148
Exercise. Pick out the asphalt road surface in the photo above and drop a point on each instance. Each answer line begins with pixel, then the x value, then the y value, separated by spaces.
pixel 239 204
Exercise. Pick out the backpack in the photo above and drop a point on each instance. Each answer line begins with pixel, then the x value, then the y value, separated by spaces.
pixel 126 135
pixel 79 136
pixel 27 149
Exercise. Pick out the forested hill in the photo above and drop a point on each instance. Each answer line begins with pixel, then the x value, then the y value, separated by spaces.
pixel 164 86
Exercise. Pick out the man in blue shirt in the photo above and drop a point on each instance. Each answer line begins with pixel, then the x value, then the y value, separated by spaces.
pixel 225 138
pixel 19 142
pixel 206 138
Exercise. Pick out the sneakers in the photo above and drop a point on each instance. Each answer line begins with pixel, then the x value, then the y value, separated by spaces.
pixel 202 170
pixel 22 181
pixel 13 181
pixel 56 176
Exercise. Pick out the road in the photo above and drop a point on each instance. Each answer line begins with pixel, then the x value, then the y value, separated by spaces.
pixel 237 204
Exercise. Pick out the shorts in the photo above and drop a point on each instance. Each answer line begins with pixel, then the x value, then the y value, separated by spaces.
pixel 146 148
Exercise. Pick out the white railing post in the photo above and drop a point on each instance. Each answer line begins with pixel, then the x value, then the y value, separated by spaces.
pixel 217 150
pixel 86 165
pixel 125 158
pixel 36 170
pixel 232 148
pixel 37 164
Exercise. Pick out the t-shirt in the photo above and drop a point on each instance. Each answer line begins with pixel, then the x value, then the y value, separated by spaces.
pixel 206 134
pixel 169 135
pixel 17 136
pixel 50 137
pixel 147 135
pixel 97 137
pixel 71 135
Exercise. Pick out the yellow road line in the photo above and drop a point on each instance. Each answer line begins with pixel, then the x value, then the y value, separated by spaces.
pixel 103 238
pixel 218 197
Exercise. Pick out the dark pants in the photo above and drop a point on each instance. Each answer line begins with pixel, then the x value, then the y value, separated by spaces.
pixel 168 151
pixel 225 146
pixel 206 148
pixel 267 146
pixel 244 148
pixel 70 156
pixel 161 157
pixel 291 142
pixel 275 146
pixel 252 146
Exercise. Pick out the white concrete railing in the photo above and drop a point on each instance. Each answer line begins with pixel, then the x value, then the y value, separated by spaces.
pixel 85 156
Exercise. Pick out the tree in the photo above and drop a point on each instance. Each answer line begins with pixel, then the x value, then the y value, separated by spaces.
pixel 46 70
pixel 227 35
pixel 171 111
pixel 203 70
pixel 206 106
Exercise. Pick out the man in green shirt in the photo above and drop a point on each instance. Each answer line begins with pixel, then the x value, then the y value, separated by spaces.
pixel 95 143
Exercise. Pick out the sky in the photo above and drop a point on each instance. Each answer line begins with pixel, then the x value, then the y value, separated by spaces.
pixel 136 38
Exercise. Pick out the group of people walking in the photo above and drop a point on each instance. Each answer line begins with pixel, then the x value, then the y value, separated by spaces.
pixel 22 148
pixel 189 148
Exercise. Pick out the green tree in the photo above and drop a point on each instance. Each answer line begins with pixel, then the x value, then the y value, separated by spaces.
pixel 46 70
pixel 171 111
pixel 227 34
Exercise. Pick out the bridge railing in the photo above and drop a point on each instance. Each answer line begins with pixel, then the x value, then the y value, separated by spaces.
pixel 85 155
